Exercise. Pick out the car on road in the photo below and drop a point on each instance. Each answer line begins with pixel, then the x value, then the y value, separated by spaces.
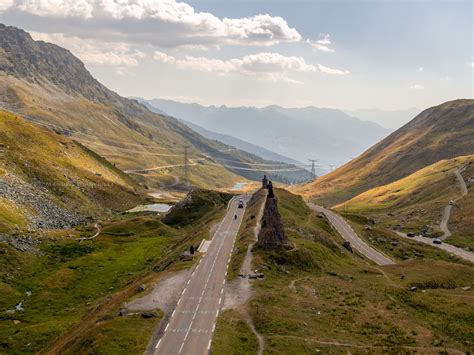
pixel 437 241
pixel 411 235
pixel 451 203
pixel 241 203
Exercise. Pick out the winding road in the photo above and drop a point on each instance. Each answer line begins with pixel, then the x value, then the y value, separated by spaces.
pixel 466 255
pixel 447 210
pixel 346 232
pixel 193 321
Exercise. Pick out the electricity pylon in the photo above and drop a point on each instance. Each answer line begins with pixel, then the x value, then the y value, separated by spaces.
pixel 313 167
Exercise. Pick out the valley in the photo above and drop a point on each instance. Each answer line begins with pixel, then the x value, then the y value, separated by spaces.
pixel 131 226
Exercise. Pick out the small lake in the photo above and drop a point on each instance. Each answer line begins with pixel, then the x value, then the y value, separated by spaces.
pixel 239 186
pixel 156 207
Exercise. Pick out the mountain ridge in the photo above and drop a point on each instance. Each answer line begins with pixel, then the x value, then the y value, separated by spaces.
pixel 440 132
pixel 327 133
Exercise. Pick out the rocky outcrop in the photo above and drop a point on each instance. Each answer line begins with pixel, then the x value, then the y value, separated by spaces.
pixel 272 234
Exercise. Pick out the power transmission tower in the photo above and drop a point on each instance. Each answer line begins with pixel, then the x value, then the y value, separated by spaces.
pixel 186 167
pixel 313 167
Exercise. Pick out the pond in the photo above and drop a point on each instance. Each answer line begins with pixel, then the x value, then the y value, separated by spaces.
pixel 156 207
pixel 239 185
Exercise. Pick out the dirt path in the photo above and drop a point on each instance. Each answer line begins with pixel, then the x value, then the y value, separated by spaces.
pixel 98 230
pixel 447 210
pixel 61 344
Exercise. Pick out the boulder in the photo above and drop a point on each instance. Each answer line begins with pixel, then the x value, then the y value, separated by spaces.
pixel 148 315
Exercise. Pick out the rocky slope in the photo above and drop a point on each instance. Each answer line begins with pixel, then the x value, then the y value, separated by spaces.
pixel 441 132
pixel 50 181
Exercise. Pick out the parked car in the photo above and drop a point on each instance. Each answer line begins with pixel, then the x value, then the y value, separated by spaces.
pixel 411 235
pixel 437 241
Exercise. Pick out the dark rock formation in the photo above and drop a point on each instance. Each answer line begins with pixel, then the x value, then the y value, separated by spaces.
pixel 272 234
pixel 270 190
pixel 264 182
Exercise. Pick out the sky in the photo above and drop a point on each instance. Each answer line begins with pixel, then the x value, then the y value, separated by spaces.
pixel 347 54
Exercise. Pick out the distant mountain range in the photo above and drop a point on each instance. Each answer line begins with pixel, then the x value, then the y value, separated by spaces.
pixel 329 135
pixel 237 143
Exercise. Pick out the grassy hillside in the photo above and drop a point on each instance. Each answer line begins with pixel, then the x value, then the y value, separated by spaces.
pixel 414 201
pixel 418 201
pixel 48 179
pixel 77 288
pixel 320 297
pixel 442 132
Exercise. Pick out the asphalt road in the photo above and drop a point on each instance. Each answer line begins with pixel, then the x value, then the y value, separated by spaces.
pixel 193 321
pixel 348 234
pixel 466 255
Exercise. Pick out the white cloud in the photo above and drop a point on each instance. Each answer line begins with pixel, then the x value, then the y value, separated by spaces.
pixel 420 69
pixel 267 65
pixel 5 4
pixel 209 65
pixel 323 44
pixel 56 8
pixel 165 23
pixel 472 64
pixel 163 57
pixel 417 87
pixel 331 71
pixel 94 52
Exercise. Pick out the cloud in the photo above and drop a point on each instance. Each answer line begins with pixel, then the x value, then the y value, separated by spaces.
pixel 55 8
pixel 323 44
pixel 420 69
pixel 163 57
pixel 267 66
pixel 331 71
pixel 94 52
pixel 5 4
pixel 163 23
pixel 417 87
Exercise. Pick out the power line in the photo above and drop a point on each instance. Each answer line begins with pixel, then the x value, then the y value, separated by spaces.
pixel 186 167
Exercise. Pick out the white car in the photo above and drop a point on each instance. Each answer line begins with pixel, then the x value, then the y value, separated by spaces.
pixel 437 241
